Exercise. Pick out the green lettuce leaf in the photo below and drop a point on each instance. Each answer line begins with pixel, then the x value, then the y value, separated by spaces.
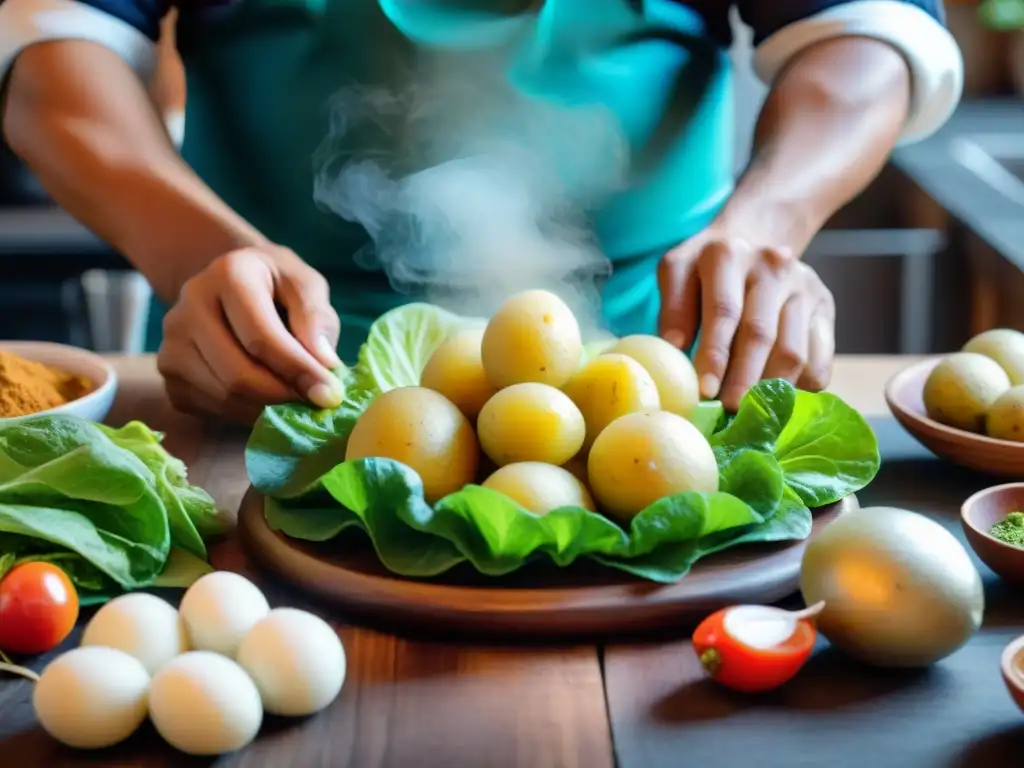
pixel 707 417
pixel 781 453
pixel 825 448
pixel 293 445
pixel 107 505
pixel 762 415
pixel 400 344
pixel 384 499
pixel 191 511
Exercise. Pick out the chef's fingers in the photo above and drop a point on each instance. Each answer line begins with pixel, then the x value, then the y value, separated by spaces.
pixel 821 350
pixel 179 359
pixel 306 297
pixel 248 298
pixel 187 398
pixel 755 338
pixel 240 376
pixel 193 388
pixel 679 286
pixel 723 283
pixel 789 356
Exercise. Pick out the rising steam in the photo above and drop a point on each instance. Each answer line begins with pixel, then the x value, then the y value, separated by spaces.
pixel 471 190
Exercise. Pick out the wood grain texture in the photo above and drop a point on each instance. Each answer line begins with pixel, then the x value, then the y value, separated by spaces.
pixel 836 713
pixel 405 702
pixel 444 703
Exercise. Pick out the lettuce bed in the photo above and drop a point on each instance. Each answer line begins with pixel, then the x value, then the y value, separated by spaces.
pixel 784 452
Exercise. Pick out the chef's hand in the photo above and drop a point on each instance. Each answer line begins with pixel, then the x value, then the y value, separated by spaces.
pixel 227 352
pixel 761 312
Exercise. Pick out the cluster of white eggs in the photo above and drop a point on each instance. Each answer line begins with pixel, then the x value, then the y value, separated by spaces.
pixel 204 674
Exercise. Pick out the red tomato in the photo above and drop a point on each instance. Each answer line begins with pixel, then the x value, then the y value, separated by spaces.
pixel 38 608
pixel 743 667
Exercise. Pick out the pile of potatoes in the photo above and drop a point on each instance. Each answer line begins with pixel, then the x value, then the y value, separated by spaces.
pixel 981 388
pixel 516 406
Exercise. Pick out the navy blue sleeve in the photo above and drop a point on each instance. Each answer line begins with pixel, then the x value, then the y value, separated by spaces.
pixel 766 17
pixel 144 15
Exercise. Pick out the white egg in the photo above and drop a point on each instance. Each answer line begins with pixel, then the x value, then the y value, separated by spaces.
pixel 141 625
pixel 91 698
pixel 296 660
pixel 219 610
pixel 203 703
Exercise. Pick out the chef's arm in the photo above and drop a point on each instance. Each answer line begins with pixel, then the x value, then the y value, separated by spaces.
pixel 79 115
pixel 847 84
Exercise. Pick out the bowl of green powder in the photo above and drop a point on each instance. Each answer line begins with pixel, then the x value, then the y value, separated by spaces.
pixel 993 522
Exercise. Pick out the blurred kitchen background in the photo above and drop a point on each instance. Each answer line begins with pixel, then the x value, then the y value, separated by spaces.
pixel 930 254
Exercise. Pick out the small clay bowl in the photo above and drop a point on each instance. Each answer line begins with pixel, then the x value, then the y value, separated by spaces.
pixel 904 395
pixel 977 516
pixel 95 404
pixel 1012 665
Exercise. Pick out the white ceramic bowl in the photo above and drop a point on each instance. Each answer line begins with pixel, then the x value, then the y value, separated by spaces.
pixel 94 406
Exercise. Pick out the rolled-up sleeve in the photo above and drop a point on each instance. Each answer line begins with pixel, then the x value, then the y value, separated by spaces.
pixel 129 28
pixel 784 28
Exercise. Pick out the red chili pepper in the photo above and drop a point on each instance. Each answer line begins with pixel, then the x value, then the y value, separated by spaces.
pixel 752 649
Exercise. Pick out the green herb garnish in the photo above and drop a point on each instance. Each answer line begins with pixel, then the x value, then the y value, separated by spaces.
pixel 1010 529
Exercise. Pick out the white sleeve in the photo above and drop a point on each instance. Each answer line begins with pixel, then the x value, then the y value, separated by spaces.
pixel 936 64
pixel 26 22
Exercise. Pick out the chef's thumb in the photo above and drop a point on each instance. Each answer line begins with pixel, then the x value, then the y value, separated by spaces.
pixel 311 318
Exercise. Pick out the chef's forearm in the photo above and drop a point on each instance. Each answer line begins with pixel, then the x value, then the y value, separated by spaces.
pixel 826 130
pixel 84 123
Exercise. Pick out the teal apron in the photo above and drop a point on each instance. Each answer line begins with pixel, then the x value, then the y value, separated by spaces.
pixel 261 75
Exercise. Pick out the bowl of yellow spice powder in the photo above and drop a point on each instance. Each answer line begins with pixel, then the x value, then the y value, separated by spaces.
pixel 993 522
pixel 43 378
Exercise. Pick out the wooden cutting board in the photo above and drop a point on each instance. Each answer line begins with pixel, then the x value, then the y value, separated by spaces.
pixel 584 600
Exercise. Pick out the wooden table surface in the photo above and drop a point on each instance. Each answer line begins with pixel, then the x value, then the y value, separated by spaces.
pixel 451 703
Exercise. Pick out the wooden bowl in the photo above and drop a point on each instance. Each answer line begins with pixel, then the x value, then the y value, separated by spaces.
pixel 94 405
pixel 903 393
pixel 1012 665
pixel 977 516
pixel 581 601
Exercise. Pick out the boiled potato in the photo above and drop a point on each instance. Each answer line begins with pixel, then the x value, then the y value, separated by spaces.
pixel 1005 346
pixel 540 487
pixel 1005 417
pixel 642 457
pixel 530 422
pixel 610 386
pixel 456 370
pixel 533 337
pixel 423 430
pixel 960 389
pixel 669 367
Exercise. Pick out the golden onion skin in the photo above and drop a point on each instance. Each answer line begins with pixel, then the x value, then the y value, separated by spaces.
pixel 899 589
